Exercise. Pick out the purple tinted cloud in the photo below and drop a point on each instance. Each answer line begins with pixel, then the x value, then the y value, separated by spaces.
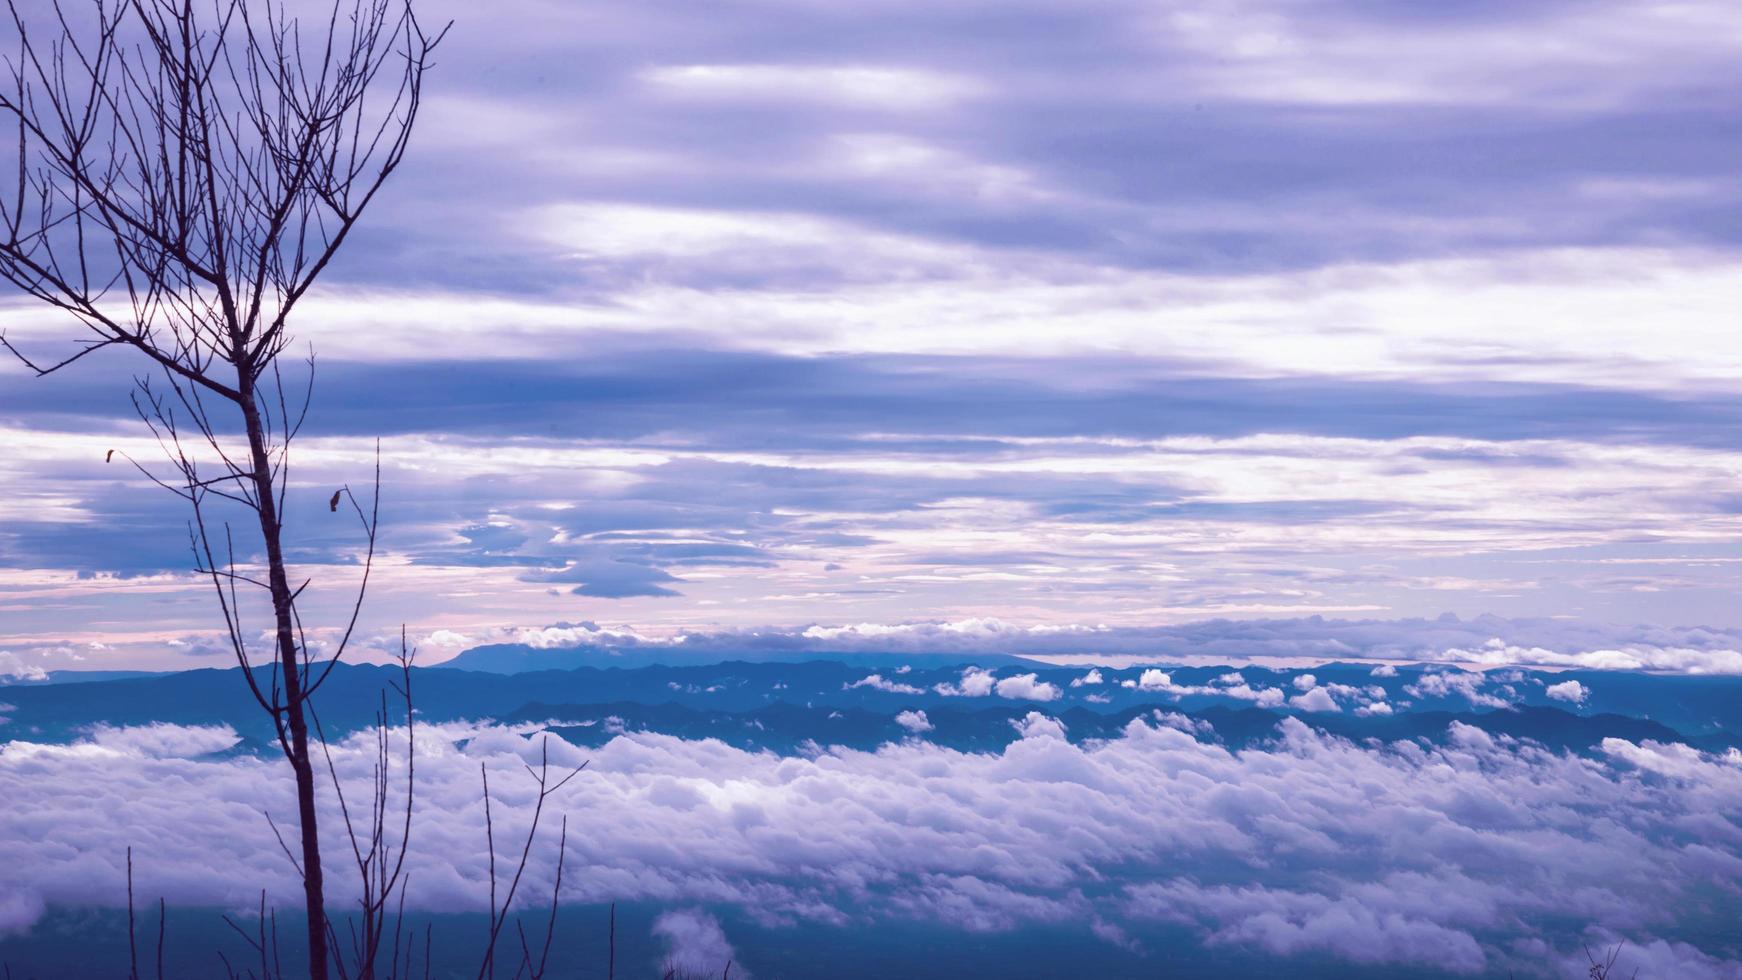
pixel 1088 312
pixel 1517 854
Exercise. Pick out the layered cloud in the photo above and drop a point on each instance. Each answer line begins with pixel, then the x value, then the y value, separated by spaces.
pixel 1516 854
pixel 1478 644
pixel 789 319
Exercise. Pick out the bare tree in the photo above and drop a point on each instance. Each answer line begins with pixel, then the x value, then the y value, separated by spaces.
pixel 185 173
pixel 380 857
pixel 1604 968
pixel 500 910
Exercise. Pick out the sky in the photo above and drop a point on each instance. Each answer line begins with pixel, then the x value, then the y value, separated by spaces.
pixel 1022 318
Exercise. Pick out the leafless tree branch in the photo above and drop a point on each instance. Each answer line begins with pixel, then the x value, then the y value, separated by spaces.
pixel 182 173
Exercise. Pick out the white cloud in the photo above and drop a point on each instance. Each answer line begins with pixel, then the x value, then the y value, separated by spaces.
pixel 165 741
pixel 446 641
pixel 12 665
pixel 695 944
pixel 1305 682
pixel 1315 699
pixel 1503 838
pixel 1278 53
pixel 1184 723
pixel 1036 725
pixel 1028 687
pixel 914 721
pixel 1417 315
pixel 573 634
pixel 1681 660
pixel 1677 761
pixel 1269 697
pixel 1291 923
pixel 880 87
pixel 978 682
pixel 1154 680
pixel 1652 958
pixel 1230 685
pixel 19 909
pixel 1568 691
pixel 1485 641
pixel 1091 678
pixel 1455 683
pixel 877 682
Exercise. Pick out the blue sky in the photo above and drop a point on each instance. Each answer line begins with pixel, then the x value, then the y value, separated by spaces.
pixel 1085 314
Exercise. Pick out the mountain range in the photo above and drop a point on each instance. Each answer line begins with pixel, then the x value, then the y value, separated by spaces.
pixel 793 706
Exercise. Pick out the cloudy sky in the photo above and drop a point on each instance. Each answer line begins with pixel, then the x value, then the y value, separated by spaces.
pixel 1085 313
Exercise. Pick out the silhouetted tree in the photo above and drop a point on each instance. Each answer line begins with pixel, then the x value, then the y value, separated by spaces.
pixel 1604 968
pixel 500 910
pixel 185 174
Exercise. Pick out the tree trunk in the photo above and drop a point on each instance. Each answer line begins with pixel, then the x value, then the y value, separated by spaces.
pixel 300 761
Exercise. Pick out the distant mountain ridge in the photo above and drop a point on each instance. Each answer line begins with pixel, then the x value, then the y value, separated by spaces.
pixel 73 677
pixel 521 658
pixel 788 728
pixel 809 700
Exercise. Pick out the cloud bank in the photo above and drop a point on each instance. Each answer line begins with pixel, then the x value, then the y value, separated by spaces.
pixel 1478 642
pixel 1515 854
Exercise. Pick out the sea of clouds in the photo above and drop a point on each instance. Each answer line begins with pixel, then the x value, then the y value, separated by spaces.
pixel 1478 856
